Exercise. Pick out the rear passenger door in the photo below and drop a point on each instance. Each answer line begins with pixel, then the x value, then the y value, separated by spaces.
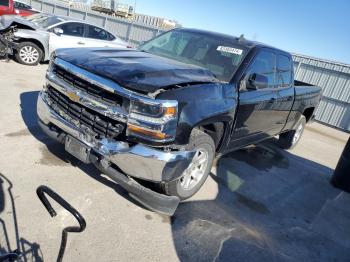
pixel 98 37
pixel 285 90
pixel 256 117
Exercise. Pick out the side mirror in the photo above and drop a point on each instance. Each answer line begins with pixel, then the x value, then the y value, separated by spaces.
pixel 58 31
pixel 257 81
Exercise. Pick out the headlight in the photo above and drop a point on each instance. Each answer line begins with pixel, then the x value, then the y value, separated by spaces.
pixel 153 120
pixel 147 109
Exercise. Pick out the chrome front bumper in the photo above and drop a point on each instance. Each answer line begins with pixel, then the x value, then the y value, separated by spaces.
pixel 138 161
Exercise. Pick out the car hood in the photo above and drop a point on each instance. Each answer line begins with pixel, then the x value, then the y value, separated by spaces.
pixel 7 21
pixel 136 70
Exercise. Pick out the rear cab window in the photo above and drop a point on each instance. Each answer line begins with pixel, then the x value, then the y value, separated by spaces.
pixel 284 71
pixel 4 3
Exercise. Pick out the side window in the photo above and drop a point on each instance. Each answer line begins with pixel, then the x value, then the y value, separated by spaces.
pixel 73 29
pixel 264 64
pixel 97 33
pixel 284 71
pixel 4 3
pixel 24 6
pixel 111 37
pixel 20 5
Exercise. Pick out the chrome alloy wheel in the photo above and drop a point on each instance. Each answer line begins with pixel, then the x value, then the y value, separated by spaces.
pixel 195 171
pixel 297 134
pixel 29 54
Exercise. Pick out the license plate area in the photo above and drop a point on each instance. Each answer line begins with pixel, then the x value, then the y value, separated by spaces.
pixel 77 149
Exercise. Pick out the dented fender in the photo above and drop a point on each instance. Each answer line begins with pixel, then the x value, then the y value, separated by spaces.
pixel 39 35
pixel 202 104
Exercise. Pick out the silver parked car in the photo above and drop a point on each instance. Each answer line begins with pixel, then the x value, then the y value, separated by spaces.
pixel 39 35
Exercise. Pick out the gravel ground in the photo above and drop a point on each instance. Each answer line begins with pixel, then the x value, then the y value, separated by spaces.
pixel 260 203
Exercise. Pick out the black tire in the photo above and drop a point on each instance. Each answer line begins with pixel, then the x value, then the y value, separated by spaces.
pixel 29 48
pixel 288 140
pixel 201 142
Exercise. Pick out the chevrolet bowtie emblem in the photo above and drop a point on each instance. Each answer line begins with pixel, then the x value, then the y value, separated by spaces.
pixel 73 96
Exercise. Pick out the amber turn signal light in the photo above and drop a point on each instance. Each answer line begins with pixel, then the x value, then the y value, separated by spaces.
pixel 146 132
pixel 170 111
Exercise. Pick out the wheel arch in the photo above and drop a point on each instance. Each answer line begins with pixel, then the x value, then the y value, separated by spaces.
pixel 308 113
pixel 216 130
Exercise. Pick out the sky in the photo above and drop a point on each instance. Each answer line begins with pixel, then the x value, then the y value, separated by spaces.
pixel 314 28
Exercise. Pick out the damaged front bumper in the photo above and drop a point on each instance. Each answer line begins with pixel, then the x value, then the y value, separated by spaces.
pixel 137 161
pixel 7 46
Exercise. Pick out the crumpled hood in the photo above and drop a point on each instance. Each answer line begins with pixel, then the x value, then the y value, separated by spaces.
pixel 12 20
pixel 136 70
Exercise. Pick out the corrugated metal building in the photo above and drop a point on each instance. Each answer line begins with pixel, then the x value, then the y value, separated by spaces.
pixel 334 78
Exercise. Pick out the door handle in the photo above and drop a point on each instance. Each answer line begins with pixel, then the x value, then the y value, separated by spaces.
pixel 81 43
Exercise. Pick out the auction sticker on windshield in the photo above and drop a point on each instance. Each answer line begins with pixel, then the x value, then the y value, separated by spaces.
pixel 228 49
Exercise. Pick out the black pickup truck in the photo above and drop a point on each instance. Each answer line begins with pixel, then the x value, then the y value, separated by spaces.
pixel 160 114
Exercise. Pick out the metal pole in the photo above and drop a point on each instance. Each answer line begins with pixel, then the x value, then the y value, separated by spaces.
pixel 341 175
pixel 297 71
pixel 105 22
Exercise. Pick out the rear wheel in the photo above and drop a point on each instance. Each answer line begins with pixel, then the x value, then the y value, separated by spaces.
pixel 291 138
pixel 197 172
pixel 29 53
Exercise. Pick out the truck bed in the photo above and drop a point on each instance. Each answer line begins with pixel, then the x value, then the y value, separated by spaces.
pixel 302 88
pixel 306 94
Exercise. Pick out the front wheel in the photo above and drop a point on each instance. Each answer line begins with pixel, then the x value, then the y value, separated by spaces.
pixel 29 53
pixel 289 140
pixel 197 172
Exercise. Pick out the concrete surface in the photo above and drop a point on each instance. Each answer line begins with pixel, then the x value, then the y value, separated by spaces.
pixel 260 203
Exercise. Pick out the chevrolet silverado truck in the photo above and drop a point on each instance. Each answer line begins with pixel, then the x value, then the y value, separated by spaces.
pixel 154 118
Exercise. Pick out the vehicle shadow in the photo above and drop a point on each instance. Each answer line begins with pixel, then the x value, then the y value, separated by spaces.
pixel 30 117
pixel 265 208
pixel 26 250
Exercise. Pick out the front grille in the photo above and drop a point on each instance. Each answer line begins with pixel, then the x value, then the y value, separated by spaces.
pixel 83 116
pixel 86 86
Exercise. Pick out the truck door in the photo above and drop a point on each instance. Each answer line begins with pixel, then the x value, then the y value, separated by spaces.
pixel 285 91
pixel 256 118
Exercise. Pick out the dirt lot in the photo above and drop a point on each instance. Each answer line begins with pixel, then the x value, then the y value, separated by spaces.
pixel 260 203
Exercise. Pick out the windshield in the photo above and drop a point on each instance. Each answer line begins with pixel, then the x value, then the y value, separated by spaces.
pixel 43 20
pixel 218 55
